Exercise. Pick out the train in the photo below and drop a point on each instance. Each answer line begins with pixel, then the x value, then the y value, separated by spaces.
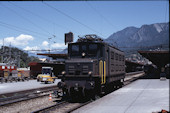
pixel 12 73
pixel 92 66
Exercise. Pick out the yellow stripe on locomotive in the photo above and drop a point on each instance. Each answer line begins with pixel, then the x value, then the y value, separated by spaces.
pixel 102 71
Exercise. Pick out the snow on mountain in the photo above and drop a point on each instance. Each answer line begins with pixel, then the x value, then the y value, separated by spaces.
pixel 146 35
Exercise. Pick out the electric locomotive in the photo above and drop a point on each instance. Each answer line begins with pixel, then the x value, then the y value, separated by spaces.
pixel 91 66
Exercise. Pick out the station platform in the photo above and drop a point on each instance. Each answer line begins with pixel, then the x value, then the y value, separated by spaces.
pixel 26 85
pixel 141 96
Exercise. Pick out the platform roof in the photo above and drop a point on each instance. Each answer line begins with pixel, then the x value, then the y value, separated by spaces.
pixel 46 63
pixel 159 58
pixel 54 56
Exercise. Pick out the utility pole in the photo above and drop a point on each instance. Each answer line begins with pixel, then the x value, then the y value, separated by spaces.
pixel 19 60
pixel 3 52
pixel 49 43
pixel 2 58
pixel 10 53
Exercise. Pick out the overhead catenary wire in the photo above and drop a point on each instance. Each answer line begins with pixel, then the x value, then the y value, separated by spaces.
pixel 45 19
pixel 44 50
pixel 100 14
pixel 41 17
pixel 27 19
pixel 23 29
pixel 109 23
pixel 72 18
pixel 166 9
pixel 40 49
pixel 20 30
pixel 12 28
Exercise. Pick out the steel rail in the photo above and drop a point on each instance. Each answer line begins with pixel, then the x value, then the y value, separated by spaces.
pixel 82 104
pixel 50 107
pixel 26 96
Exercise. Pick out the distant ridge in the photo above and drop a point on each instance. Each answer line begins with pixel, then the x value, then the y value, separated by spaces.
pixel 146 35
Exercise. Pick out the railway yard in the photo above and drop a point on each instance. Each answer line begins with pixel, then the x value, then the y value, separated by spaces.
pixel 144 95
pixel 84 56
pixel 38 100
pixel 93 77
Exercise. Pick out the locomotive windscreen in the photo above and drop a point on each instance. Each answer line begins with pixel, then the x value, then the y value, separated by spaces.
pixel 90 49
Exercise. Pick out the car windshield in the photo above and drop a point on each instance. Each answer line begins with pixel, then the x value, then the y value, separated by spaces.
pixel 46 71
pixel 90 49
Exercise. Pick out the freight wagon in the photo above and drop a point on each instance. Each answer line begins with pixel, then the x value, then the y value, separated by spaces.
pixel 6 72
pixel 11 73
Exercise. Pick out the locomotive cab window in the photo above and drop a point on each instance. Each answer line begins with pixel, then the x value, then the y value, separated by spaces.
pixel 84 48
pixel 75 48
pixel 90 50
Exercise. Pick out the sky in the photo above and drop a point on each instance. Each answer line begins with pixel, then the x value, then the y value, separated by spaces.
pixel 29 24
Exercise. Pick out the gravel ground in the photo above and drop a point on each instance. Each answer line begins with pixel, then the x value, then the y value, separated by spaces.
pixel 65 108
pixel 33 105
pixel 27 106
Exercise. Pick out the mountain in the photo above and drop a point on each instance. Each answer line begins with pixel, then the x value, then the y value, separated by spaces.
pixel 16 56
pixel 146 35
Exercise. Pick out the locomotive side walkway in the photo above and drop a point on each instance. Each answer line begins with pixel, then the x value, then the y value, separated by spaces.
pixel 141 96
pixel 26 85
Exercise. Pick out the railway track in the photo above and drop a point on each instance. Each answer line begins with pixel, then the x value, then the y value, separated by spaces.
pixel 42 94
pixel 62 107
pixel 130 77
pixel 11 98
pixel 52 107
pixel 67 107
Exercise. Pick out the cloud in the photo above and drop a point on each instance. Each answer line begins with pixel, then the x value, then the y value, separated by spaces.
pixel 31 48
pixel 27 48
pixel 58 46
pixel 45 43
pixel 21 40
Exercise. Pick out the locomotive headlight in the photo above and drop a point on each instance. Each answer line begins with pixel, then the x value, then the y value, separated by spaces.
pixel 90 73
pixel 83 54
pixel 63 73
